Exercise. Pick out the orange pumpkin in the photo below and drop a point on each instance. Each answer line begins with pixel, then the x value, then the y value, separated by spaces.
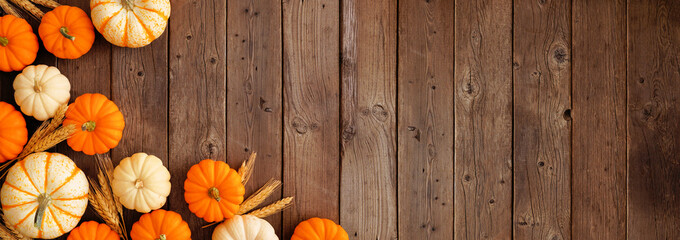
pixel 93 231
pixel 160 225
pixel 213 190
pixel 319 229
pixel 67 32
pixel 99 124
pixel 18 44
pixel 13 133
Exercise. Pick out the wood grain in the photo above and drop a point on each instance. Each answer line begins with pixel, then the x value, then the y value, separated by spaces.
pixel 254 86
pixel 368 186
pixel 542 121
pixel 653 113
pixel 483 109
pixel 311 86
pixel 197 86
pixel 139 86
pixel 599 115
pixel 425 119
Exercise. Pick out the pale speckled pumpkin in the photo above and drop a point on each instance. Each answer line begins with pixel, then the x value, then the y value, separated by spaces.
pixel 44 195
pixel 130 23
pixel 141 182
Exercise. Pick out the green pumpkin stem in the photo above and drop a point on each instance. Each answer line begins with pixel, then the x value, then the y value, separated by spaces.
pixel 161 237
pixel 89 126
pixel 214 193
pixel 64 31
pixel 44 201
pixel 4 41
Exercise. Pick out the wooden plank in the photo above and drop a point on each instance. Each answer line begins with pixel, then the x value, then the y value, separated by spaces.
pixel 483 120
pixel 139 86
pixel 311 85
pixel 254 91
pixel 599 137
pixel 197 86
pixel 653 113
pixel 542 122
pixel 368 196
pixel 425 119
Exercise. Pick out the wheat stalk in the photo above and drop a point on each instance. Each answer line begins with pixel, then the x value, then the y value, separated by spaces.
pixel 8 231
pixel 9 9
pixel 273 208
pixel 47 3
pixel 101 197
pixel 29 7
pixel 246 169
pixel 258 197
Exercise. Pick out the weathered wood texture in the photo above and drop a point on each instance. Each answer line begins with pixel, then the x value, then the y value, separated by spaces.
pixel 411 119
pixel 483 120
pixel 541 119
pixel 368 187
pixel 425 126
pixel 311 103
pixel 254 85
pixel 197 85
pixel 653 125
pixel 599 120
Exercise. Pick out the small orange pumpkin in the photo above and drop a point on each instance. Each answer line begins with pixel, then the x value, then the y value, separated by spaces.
pixel 160 225
pixel 67 32
pixel 13 133
pixel 319 229
pixel 99 124
pixel 18 44
pixel 93 231
pixel 213 190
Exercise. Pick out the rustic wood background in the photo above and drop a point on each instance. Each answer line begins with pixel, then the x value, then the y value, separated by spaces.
pixel 414 119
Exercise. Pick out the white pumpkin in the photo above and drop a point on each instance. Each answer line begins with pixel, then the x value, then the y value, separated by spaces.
pixel 130 23
pixel 44 195
pixel 40 90
pixel 244 227
pixel 141 182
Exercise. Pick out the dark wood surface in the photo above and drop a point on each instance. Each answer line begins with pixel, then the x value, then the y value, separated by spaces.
pixel 412 119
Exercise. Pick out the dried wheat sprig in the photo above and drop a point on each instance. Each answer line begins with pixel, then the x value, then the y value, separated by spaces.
pixel 259 196
pixel 9 9
pixel 273 208
pixel 8 231
pixel 246 169
pixel 47 3
pixel 29 7
pixel 102 200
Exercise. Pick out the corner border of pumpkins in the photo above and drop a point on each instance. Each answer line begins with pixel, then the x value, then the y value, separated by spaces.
pixel 93 124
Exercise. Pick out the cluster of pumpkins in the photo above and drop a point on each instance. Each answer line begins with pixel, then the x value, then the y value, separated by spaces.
pixel 68 33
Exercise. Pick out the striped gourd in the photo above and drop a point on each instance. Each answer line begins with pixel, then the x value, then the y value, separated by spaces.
pixel 130 23
pixel 44 195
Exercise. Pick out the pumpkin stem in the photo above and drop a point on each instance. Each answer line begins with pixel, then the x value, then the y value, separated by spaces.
pixel 88 126
pixel 4 41
pixel 214 193
pixel 37 88
pixel 161 237
pixel 129 4
pixel 64 31
pixel 44 201
pixel 139 184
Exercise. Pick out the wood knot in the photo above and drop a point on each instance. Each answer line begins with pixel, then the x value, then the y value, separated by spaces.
pixel 650 111
pixel 299 125
pixel 263 106
pixel 379 112
pixel 415 129
pixel 209 148
pixel 515 65
pixel 567 115
pixel 348 133
pixel 560 55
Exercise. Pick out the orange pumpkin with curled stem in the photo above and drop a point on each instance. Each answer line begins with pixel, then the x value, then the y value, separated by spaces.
pixel 99 124
pixel 319 229
pixel 13 132
pixel 18 44
pixel 92 230
pixel 67 32
pixel 160 225
pixel 213 190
